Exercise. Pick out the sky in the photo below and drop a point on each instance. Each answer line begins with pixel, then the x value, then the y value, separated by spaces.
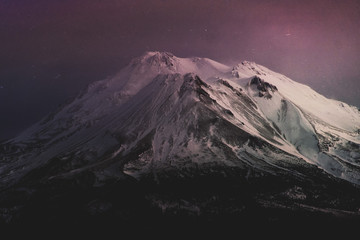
pixel 51 49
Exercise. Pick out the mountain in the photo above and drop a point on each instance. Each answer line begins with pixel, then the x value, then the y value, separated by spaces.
pixel 186 137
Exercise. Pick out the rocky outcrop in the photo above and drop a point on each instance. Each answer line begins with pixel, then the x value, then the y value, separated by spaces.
pixel 263 87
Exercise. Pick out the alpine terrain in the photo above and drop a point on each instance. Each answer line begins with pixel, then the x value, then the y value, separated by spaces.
pixel 171 141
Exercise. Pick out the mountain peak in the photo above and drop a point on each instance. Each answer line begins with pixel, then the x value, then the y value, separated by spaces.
pixel 157 54
pixel 246 64
pixel 156 59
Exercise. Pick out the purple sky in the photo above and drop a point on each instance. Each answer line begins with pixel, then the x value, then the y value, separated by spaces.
pixel 50 49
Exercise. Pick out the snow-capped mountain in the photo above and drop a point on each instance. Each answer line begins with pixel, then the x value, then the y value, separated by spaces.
pixel 163 116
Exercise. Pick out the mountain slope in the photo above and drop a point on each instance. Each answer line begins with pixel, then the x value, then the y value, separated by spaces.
pixel 318 127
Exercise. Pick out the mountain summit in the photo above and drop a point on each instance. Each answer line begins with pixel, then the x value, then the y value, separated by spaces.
pixel 178 126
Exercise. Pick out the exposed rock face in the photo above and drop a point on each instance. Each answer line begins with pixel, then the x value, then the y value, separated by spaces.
pixel 264 87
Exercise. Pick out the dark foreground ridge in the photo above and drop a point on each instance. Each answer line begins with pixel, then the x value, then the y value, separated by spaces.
pixel 203 203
